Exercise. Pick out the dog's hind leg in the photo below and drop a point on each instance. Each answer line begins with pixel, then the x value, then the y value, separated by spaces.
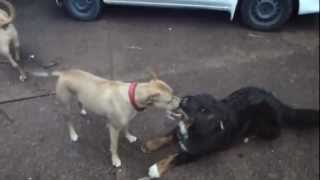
pixel 72 132
pixel 266 124
pixel 114 141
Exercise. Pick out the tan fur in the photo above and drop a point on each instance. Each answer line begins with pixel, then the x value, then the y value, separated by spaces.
pixel 165 164
pixel 157 143
pixel 9 38
pixel 110 98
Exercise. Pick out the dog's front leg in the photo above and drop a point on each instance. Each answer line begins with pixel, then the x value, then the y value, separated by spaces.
pixel 157 143
pixel 72 132
pixel 16 47
pixel 114 140
pixel 160 168
pixel 22 74
pixel 131 138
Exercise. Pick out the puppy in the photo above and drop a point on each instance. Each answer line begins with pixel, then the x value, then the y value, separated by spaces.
pixel 118 101
pixel 209 125
pixel 9 38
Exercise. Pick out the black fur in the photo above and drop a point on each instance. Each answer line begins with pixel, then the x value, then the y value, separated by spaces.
pixel 218 124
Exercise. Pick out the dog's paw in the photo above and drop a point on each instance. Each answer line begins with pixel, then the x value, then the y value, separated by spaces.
pixel 22 78
pixel 131 138
pixel 83 112
pixel 154 171
pixel 116 162
pixel 74 136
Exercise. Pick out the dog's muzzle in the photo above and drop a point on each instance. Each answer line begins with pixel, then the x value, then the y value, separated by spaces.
pixel 178 114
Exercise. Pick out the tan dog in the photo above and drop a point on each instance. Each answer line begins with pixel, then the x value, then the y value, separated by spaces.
pixel 118 101
pixel 9 38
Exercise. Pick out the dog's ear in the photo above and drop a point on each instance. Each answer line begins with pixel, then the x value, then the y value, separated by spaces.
pixel 152 75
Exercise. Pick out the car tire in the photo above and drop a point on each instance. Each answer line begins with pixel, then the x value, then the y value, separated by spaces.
pixel 85 10
pixel 266 15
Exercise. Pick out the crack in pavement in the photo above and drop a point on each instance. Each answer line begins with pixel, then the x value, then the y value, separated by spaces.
pixel 26 98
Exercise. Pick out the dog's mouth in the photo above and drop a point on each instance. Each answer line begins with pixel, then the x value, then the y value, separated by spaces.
pixel 177 115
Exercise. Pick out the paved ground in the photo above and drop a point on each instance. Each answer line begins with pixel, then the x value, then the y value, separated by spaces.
pixel 195 51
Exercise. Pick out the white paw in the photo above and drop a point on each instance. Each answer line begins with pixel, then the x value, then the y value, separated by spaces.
pixel 116 162
pixel 154 172
pixel 72 132
pixel 131 139
pixel 83 112
pixel 73 135
pixel 22 78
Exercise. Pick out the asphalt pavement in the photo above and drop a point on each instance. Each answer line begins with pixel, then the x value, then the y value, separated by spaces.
pixel 194 51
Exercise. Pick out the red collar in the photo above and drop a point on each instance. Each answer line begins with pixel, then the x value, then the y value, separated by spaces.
pixel 132 93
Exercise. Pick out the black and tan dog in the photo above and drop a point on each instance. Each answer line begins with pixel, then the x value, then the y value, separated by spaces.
pixel 209 125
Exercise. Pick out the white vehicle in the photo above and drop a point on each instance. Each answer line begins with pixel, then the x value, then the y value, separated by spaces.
pixel 263 15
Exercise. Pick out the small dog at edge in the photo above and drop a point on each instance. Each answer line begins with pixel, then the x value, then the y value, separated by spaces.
pixel 208 125
pixel 9 42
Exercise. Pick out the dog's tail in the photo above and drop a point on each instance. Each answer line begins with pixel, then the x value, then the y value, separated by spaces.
pixel 46 74
pixel 301 118
pixel 11 13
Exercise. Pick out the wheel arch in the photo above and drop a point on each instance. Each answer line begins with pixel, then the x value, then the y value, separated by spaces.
pixel 296 7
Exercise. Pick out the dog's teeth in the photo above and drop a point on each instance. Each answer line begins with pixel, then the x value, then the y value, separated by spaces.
pixel 154 171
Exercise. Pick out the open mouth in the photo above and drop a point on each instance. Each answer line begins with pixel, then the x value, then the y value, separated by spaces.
pixel 177 115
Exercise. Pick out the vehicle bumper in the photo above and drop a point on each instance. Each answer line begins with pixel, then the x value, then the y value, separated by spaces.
pixel 308 7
